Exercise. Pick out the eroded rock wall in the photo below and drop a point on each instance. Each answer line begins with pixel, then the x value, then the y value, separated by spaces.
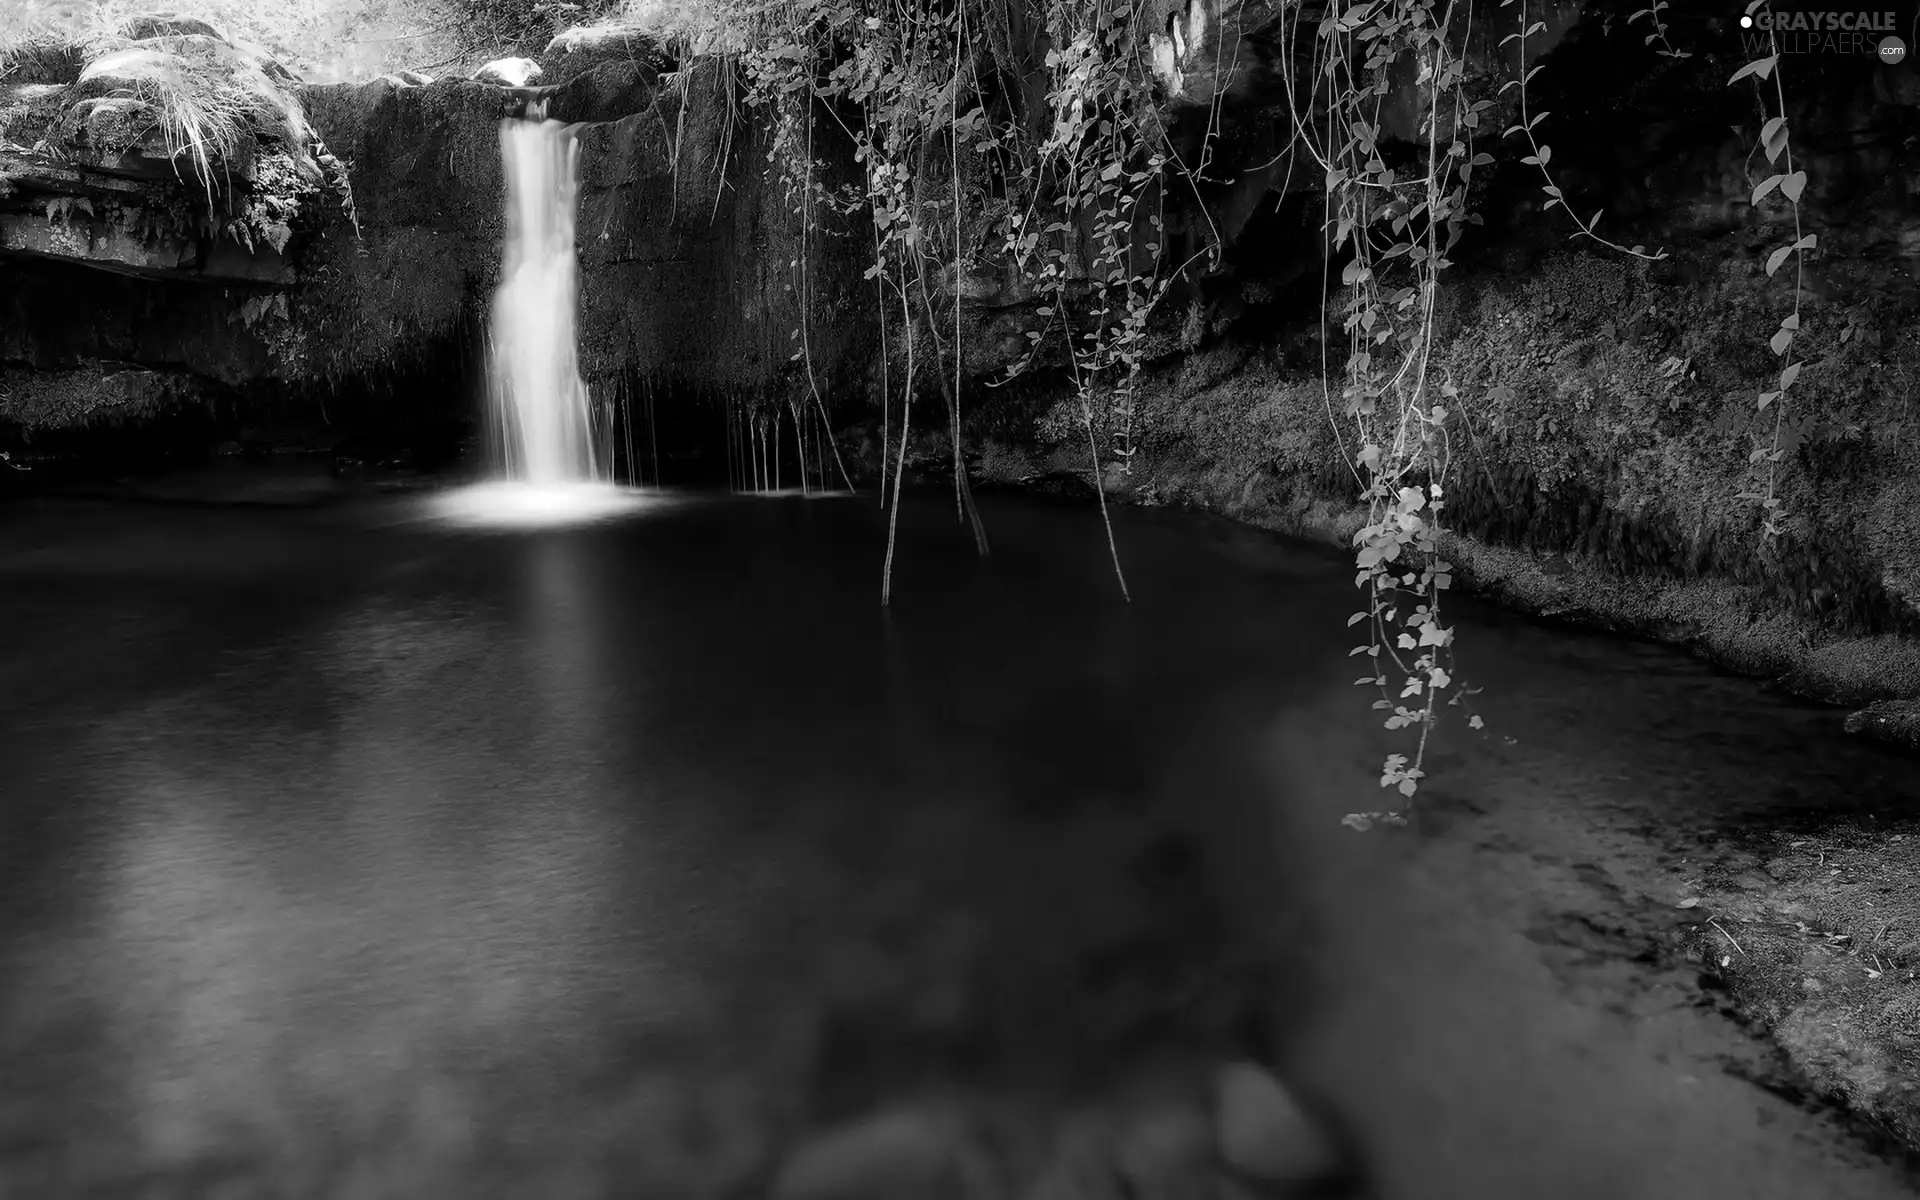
pixel 693 264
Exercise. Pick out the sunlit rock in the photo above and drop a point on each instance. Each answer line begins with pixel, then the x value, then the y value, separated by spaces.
pixel 509 72
pixel 585 47
pixel 152 25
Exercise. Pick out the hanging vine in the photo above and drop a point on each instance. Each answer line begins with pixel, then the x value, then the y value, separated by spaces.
pixel 1032 134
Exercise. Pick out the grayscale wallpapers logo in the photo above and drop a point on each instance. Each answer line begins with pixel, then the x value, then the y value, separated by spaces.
pixel 1828 31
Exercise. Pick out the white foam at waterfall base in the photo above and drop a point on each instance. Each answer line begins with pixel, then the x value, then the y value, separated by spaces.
pixel 539 416
pixel 532 505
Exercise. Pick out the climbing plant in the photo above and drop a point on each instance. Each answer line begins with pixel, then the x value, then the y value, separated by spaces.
pixel 1766 454
pixel 1031 133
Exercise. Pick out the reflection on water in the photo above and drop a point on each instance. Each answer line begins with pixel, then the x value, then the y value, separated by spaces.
pixel 316 929
pixel 377 860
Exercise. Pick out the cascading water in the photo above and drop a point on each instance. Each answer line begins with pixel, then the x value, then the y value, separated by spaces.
pixel 541 420
pixel 539 417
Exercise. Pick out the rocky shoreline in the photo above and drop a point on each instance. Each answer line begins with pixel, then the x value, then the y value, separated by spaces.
pixel 1812 934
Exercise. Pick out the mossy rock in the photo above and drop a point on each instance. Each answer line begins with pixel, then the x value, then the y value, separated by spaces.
pixel 585 47
pixel 185 96
pixel 156 25
pixel 42 60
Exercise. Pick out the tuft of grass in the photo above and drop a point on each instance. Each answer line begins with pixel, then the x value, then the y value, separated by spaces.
pixel 203 98
pixel 41 58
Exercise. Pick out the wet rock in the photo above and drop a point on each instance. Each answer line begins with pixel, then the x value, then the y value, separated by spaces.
pixel 1896 722
pixel 1161 1147
pixel 606 93
pixel 1843 1059
pixel 508 72
pixel 113 121
pixel 1266 1134
pixel 894 1156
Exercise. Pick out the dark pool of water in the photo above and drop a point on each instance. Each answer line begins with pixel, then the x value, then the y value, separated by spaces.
pixel 346 854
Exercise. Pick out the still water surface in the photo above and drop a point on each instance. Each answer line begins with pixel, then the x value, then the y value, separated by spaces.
pixel 346 853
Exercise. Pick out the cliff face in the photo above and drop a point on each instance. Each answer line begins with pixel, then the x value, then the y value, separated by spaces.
pixel 692 268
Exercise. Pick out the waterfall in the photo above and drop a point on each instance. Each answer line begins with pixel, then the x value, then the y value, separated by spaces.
pixel 539 414
pixel 539 417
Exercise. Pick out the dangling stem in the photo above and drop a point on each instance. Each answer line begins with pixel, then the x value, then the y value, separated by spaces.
pixel 1100 489
pixel 886 384
pixel 653 441
pixel 962 485
pixel 962 502
pixel 819 464
pixel 900 469
pixel 962 488
pixel 626 426
pixel 800 442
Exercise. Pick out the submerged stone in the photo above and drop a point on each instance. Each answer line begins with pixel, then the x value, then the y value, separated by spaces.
pixel 903 1155
pixel 1266 1134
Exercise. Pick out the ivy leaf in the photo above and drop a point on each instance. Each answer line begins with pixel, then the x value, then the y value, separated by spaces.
pixel 1793 185
pixel 1769 132
pixel 1759 69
